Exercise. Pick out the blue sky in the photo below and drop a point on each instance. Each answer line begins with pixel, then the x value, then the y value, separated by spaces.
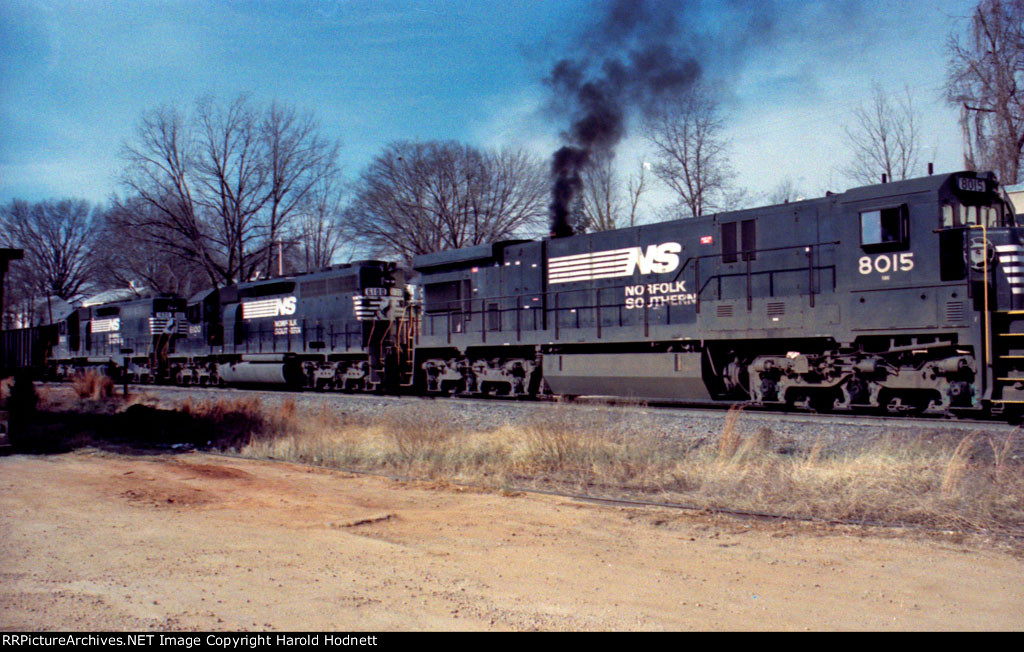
pixel 76 76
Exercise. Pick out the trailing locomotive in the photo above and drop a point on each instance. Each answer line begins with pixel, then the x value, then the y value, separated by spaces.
pixel 134 335
pixel 906 296
pixel 346 327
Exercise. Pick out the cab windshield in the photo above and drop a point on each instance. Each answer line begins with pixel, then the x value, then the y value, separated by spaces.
pixel 957 215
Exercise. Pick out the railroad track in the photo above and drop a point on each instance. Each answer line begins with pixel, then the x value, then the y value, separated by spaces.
pixel 768 415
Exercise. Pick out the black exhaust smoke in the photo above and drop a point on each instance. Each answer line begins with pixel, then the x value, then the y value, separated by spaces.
pixel 565 169
pixel 641 53
pixel 638 66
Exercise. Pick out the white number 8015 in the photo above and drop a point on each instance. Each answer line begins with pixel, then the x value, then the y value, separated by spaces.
pixel 886 263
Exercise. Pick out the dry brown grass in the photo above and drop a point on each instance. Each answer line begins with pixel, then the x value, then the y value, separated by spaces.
pixel 968 484
pixel 93 385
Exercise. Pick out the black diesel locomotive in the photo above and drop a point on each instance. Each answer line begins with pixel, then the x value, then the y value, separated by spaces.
pixel 136 335
pixel 903 296
pixel 344 327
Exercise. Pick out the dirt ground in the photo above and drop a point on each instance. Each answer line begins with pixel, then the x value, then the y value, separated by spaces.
pixel 97 541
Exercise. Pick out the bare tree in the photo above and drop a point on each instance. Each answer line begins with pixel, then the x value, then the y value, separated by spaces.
pixel 691 153
pixel 299 160
pixel 986 80
pixel 784 192
pixel 232 174
pixel 601 196
pixel 59 241
pixel 159 173
pixel 416 198
pixel 223 183
pixel 605 203
pixel 635 189
pixel 509 195
pixel 884 138
pixel 135 263
pixel 320 224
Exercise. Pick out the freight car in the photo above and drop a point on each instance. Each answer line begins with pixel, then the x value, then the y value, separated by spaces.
pixel 26 348
pixel 903 296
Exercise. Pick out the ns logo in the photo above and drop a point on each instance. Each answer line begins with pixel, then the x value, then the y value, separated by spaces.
pixel 658 259
pixel 614 263
pixel 286 306
pixel 280 307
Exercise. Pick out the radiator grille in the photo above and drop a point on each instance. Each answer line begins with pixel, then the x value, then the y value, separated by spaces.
pixel 776 308
pixel 724 311
pixel 954 311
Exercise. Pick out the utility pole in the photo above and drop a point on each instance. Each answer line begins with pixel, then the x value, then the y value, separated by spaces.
pixel 5 256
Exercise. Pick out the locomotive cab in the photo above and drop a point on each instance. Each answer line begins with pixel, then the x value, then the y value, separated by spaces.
pixel 925 290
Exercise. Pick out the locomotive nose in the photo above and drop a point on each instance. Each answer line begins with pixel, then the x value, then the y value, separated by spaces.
pixel 1009 263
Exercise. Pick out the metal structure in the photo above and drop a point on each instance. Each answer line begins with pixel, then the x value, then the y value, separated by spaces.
pixel 900 296
pixel 905 296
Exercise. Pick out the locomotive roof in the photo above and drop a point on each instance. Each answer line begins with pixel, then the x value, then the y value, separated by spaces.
pixel 342 269
pixel 112 296
pixel 486 252
pixel 907 187
pixel 133 300
pixel 467 254
pixel 201 295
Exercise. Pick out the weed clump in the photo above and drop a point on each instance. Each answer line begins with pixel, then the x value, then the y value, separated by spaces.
pixel 93 385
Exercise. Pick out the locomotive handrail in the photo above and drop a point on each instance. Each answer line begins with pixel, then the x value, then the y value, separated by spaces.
pixel 457 314
pixel 744 254
pixel 988 344
pixel 770 273
pixel 255 337
pixel 747 257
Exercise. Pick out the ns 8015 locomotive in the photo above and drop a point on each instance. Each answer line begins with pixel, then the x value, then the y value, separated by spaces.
pixel 905 296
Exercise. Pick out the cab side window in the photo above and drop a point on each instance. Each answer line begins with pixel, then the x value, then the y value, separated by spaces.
pixel 885 229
